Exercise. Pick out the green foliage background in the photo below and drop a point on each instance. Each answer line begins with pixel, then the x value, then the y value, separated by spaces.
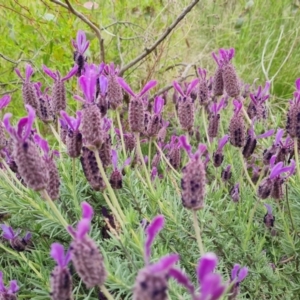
pixel 266 38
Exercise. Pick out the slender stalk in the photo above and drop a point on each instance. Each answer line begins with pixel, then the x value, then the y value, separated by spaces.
pixel 297 157
pixel 75 200
pixel 197 232
pixel 108 186
pixel 140 154
pixel 121 132
pixel 115 212
pixel 288 205
pixel 106 293
pixel 149 154
pixel 166 160
pixel 246 171
pixel 54 208
pixel 246 115
pixel 204 125
pixel 260 177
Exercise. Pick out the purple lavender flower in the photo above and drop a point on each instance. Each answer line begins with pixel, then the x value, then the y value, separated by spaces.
pixel 61 280
pixel 217 82
pixel 31 167
pixel 17 243
pixel 10 292
pixel 101 95
pixel 174 152
pixel 226 173
pixel 257 107
pixel 186 109
pixel 80 45
pixel 203 91
pixel 269 219
pixel 218 156
pixel 85 255
pixel 155 122
pixel 238 274
pixel 214 119
pixel 152 281
pixel 28 90
pixel 4 101
pixel 136 105
pixel 58 99
pixel 236 126
pixel 44 112
pixel 235 193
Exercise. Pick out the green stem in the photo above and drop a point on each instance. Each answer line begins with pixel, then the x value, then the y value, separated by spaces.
pixel 197 232
pixel 297 157
pixel 54 208
pixel 289 209
pixel 140 155
pixel 106 293
pixel 75 200
pixel 121 132
pixel 246 171
pixel 166 160
pixel 149 154
pixel 204 124
pixel 115 212
pixel 108 186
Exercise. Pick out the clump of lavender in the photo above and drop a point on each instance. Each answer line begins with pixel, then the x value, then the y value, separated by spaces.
pixel 230 78
pixel 60 280
pixel 218 156
pixel 4 101
pixel 257 107
pixel 238 274
pixel 80 45
pixel 16 242
pixel 54 179
pixel 114 91
pixel 28 89
pixel 186 109
pixel 214 118
pixel 44 112
pixel 31 166
pixel 152 281
pixel 237 126
pixel 58 98
pixel 203 91
pixel 293 115
pixel 116 178
pixel 73 136
pixel 85 255
pixel 8 293
pixel 136 106
pixel 193 178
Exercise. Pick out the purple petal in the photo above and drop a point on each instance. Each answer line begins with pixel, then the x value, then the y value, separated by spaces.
pixel 223 141
pixel 21 125
pixel 215 57
pixel 28 72
pixel 2 287
pixel 178 88
pixel 83 227
pixel 4 101
pixel 276 170
pixel 213 108
pixel 67 118
pixel 72 231
pixel 101 67
pixel 114 158
pixel 158 105
pixel 279 136
pixel 266 134
pixel 152 230
pixel 234 271
pixel 27 236
pixel 297 83
pixel 78 98
pixel 206 265
pixel 81 42
pixel 43 144
pixel 72 72
pixel 126 162
pixel 68 257
pixel 57 253
pixel 200 151
pixel 165 123
pixel 106 124
pixel 87 211
pixel 192 85
pixel 8 232
pixel 149 85
pixel 242 274
pixel 164 264
pixel 13 287
pixel 211 287
pixel 237 106
pixel 125 86
pixel 49 73
pixel 8 127
pixel 103 84
pixel 269 208
pixel 88 86
pixel 182 279
pixel 77 120
pixel 252 97
pixel 19 74
pixel 185 144
pixel 31 116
